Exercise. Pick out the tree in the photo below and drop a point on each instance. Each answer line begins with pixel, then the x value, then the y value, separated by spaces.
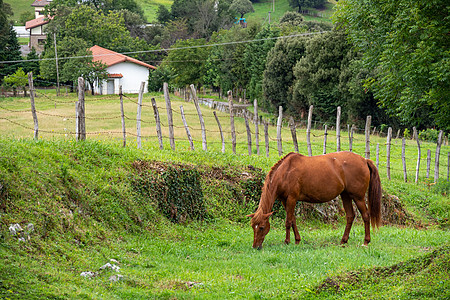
pixel 32 63
pixel 407 43
pixel 278 76
pixel 255 57
pixel 242 6
pixel 187 61
pixel 317 75
pixel 17 80
pixel 74 60
pixel 9 46
pixel 163 14
pixel 306 3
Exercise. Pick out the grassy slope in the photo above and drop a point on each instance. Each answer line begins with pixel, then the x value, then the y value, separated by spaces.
pixel 19 7
pixel 79 198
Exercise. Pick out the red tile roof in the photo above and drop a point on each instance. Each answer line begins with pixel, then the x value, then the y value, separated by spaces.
pixel 36 22
pixel 110 58
pixel 40 3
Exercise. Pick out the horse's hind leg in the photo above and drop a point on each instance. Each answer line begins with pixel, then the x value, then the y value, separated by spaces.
pixel 350 215
pixel 361 204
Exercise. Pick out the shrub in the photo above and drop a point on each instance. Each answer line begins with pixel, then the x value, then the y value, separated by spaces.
pixel 429 135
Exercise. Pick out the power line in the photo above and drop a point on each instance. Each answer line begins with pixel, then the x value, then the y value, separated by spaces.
pixel 172 49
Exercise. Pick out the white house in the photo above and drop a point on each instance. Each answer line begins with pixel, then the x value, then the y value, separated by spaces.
pixel 122 70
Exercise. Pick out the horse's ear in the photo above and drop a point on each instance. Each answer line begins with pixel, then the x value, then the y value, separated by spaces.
pixel 250 216
pixel 268 215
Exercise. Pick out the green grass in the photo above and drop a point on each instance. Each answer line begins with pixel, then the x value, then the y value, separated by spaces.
pixel 19 7
pixel 85 211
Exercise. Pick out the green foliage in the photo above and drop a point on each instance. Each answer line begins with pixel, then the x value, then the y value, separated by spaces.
pixel 317 76
pixel 303 4
pixel 429 135
pixel 9 45
pixel 278 75
pixel 17 80
pixel 156 78
pixel 409 50
pixel 26 16
pixel 242 7
pixel 177 193
pixel 203 17
pixel 255 57
pixel 187 62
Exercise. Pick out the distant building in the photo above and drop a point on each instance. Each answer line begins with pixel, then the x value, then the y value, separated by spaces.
pixel 39 6
pixel 37 35
pixel 36 26
pixel 122 70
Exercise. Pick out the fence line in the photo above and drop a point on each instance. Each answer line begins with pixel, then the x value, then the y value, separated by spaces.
pixel 283 127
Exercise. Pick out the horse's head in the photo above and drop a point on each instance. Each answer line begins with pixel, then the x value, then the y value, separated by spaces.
pixel 261 226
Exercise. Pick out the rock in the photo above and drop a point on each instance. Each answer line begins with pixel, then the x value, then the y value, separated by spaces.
pixel 110 266
pixel 88 274
pixel 14 229
pixel 116 278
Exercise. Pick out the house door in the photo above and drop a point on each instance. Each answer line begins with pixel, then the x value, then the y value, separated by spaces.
pixel 110 87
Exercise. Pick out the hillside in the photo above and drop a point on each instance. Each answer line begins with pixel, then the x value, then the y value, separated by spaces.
pixel 78 220
pixel 150 7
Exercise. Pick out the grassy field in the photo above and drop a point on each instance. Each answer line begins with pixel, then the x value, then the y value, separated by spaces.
pixel 19 7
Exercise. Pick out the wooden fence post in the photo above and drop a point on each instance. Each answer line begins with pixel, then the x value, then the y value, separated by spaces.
pixel 325 134
pixel 405 178
pixel 367 152
pixel 233 132
pixel 416 136
pixel 428 163
pixel 158 124
pixel 220 130
pixel 338 129
pixel 436 160
pixel 293 133
pixel 169 115
pixel 186 127
pixel 279 124
pixel 350 137
pixel 122 115
pixel 200 117
pixel 81 125
pixel 33 107
pixel 266 137
pixel 139 114
pixel 388 153
pixel 256 121
pixel 308 130
pixel 249 133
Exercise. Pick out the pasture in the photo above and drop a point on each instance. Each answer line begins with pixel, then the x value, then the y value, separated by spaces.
pixel 85 211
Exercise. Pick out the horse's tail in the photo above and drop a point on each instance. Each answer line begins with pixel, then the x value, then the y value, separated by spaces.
pixel 374 195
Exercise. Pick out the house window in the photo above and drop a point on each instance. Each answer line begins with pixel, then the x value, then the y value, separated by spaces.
pixel 41 12
pixel 41 41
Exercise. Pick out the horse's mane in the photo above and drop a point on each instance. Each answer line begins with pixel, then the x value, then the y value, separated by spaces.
pixel 267 191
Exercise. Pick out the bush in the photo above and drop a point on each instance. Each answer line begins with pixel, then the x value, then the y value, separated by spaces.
pixel 429 135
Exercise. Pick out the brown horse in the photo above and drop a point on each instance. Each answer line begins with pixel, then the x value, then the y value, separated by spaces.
pixel 319 179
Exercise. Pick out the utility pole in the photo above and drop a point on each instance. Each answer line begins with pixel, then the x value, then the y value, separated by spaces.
pixel 269 17
pixel 57 71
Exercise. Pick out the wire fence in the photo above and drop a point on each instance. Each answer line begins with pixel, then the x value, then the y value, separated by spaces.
pixel 395 156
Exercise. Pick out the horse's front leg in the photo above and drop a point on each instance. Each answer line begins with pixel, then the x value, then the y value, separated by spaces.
pixel 290 221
